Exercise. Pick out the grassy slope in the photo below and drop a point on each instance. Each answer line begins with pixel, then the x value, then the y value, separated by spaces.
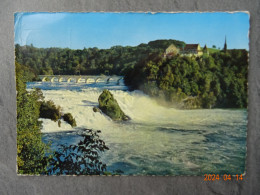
pixel 213 50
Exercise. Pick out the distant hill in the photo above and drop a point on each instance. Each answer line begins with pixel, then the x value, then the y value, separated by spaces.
pixel 116 60
pixel 164 43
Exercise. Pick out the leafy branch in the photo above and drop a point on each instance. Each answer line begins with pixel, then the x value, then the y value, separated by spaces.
pixel 80 159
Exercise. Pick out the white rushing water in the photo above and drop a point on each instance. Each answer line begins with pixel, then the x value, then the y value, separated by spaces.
pixel 157 140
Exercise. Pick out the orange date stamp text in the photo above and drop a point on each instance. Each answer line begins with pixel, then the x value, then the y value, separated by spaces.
pixel 225 177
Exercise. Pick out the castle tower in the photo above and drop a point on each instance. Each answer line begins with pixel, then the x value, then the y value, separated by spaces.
pixel 225 45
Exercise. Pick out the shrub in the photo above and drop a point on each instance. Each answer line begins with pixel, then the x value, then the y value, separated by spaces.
pixel 69 119
pixel 96 109
pixel 49 110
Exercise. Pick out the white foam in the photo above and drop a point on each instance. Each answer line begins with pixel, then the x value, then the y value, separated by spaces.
pixel 156 134
pixel 51 126
pixel 137 105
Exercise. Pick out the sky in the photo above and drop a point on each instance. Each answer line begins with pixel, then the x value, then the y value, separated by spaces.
pixel 104 30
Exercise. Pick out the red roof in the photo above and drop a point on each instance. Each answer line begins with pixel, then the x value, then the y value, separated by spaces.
pixel 191 46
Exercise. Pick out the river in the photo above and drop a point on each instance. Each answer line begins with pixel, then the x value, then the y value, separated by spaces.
pixel 157 140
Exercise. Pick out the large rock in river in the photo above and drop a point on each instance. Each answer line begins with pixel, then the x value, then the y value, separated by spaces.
pixel 110 107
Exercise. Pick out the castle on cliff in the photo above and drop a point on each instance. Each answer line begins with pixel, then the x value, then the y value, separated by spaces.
pixel 189 50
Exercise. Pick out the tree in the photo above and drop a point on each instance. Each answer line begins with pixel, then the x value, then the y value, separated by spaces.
pixel 151 70
pixel 80 159
pixel 31 158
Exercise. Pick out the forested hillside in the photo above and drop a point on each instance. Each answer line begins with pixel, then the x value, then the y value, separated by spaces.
pixel 215 80
pixel 116 60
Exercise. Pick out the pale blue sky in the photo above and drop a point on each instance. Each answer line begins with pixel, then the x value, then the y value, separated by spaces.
pixel 104 30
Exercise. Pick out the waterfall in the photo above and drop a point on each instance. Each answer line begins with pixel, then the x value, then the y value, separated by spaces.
pixel 157 140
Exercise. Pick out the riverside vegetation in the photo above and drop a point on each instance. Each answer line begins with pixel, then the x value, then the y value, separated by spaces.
pixel 31 158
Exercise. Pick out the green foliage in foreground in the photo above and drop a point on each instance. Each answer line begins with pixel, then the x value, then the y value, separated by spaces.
pixel 216 80
pixel 31 158
pixel 69 119
pixel 80 159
